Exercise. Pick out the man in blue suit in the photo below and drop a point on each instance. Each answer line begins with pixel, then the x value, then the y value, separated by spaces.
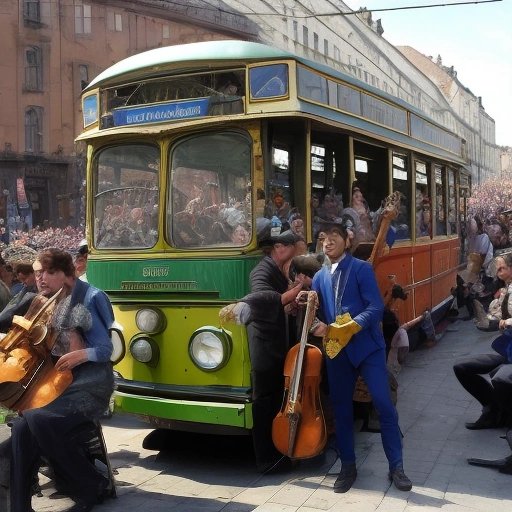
pixel 351 309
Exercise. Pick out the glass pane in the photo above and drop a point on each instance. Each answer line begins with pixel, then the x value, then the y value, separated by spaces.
pixel 423 202
pixel 383 113
pixel 440 178
pixel 401 183
pixel 126 197
pixel 312 86
pixel 452 210
pixel 269 81
pixel 210 195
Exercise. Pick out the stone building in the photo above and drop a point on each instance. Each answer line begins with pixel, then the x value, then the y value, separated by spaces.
pixel 506 162
pixel 468 114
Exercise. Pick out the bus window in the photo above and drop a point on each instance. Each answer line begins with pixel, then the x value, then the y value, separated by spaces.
pixel 209 196
pixel 401 184
pixel 440 179
pixel 423 203
pixel 452 211
pixel 126 197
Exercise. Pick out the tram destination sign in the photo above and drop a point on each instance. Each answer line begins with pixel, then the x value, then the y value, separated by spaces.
pixel 161 112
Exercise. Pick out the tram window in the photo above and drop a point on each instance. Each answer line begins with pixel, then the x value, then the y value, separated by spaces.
pixel 452 210
pixel 440 180
pixel 209 196
pixel 401 184
pixel 126 197
pixel 278 186
pixel 423 202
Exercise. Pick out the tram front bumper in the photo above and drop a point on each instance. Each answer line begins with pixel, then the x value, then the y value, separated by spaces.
pixel 199 409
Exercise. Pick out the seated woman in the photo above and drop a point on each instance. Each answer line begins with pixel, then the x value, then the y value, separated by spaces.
pixel 359 204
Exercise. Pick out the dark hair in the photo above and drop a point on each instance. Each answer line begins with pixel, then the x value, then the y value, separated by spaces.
pixel 24 268
pixel 338 228
pixel 56 259
pixel 83 250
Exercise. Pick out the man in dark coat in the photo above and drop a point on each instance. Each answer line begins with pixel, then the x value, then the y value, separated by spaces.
pixel 269 341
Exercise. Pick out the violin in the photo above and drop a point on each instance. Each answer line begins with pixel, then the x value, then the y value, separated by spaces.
pixel 298 430
pixel 28 378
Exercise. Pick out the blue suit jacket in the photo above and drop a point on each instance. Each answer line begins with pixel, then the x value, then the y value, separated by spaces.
pixel 361 299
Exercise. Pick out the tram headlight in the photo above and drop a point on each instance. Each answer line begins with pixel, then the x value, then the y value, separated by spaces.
pixel 150 320
pixel 119 348
pixel 145 350
pixel 210 348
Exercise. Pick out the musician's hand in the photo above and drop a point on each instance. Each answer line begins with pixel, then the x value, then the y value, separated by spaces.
pixel 71 359
pixel 318 328
pixel 291 294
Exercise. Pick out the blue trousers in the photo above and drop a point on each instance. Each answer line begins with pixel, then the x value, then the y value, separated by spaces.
pixel 342 378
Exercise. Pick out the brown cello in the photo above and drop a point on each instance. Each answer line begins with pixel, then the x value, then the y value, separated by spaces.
pixel 298 430
pixel 28 378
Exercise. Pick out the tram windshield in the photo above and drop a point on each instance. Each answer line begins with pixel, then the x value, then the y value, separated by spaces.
pixel 126 197
pixel 209 193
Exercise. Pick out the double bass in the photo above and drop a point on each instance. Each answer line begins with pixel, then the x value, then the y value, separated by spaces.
pixel 298 430
pixel 28 378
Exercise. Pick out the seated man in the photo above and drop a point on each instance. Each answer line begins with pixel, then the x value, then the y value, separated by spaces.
pixel 488 377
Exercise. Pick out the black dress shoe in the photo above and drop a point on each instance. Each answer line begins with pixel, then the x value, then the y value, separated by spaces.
pixel 346 478
pixel 488 419
pixel 400 479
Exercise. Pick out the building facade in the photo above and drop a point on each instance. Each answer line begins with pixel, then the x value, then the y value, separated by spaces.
pixel 51 49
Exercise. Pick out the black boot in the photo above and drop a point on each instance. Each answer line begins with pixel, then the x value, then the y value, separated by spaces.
pixel 346 478
pixel 488 419
pixel 400 479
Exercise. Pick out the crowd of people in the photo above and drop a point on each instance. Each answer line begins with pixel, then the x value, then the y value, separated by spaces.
pixel 358 331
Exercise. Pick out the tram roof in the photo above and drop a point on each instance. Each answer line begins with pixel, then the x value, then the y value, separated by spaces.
pixel 155 62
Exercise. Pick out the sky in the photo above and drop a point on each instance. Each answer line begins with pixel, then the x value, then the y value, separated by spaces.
pixel 476 39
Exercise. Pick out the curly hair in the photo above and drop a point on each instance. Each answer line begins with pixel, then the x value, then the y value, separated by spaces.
pixel 57 259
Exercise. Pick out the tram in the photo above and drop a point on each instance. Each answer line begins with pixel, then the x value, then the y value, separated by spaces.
pixel 188 148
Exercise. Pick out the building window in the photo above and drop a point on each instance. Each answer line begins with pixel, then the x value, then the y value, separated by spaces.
pixel 315 41
pixel 33 69
pixel 114 21
pixel 337 54
pixel 295 31
pixel 305 36
pixel 326 48
pixel 83 72
pixel 31 11
pixel 33 129
pixel 166 32
pixel 82 19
